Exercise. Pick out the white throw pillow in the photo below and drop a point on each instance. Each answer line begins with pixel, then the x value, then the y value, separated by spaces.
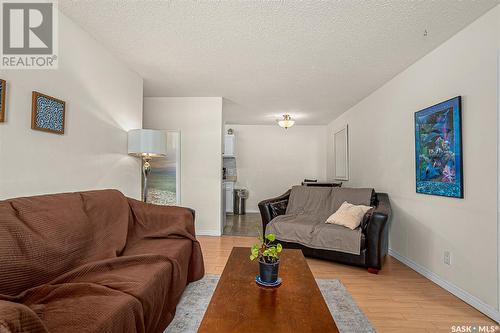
pixel 349 215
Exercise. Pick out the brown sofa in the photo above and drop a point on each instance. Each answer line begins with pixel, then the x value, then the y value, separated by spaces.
pixel 93 262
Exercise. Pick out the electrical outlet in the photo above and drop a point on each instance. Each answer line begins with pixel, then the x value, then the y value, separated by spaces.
pixel 447 257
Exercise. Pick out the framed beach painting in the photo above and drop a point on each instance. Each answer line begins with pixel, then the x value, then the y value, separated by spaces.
pixel 164 179
pixel 438 149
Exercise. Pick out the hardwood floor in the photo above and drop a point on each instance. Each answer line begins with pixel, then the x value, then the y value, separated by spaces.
pixel 396 300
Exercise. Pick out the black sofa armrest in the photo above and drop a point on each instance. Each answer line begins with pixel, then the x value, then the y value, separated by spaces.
pixel 269 208
pixel 377 232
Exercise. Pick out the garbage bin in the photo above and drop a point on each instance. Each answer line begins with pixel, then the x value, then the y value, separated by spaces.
pixel 239 197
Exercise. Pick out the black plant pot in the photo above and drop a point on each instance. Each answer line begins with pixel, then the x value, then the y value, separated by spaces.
pixel 269 271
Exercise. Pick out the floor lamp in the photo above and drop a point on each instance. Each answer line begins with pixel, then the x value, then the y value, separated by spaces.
pixel 147 144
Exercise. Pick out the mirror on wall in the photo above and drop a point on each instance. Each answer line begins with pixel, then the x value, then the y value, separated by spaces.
pixel 341 153
pixel 164 179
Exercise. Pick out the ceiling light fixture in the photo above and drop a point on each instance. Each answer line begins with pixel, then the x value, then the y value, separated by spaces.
pixel 286 122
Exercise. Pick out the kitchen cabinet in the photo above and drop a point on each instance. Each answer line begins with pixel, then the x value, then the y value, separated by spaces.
pixel 229 145
pixel 228 197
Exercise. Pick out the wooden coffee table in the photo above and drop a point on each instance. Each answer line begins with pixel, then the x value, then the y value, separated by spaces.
pixel 240 305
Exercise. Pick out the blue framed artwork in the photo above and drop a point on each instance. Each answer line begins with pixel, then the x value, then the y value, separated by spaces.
pixel 3 85
pixel 438 149
pixel 47 113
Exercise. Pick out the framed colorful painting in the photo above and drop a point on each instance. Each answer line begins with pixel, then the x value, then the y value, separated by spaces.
pixel 47 113
pixel 3 86
pixel 438 149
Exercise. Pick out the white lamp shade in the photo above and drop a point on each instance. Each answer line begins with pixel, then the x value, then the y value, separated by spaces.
pixel 147 142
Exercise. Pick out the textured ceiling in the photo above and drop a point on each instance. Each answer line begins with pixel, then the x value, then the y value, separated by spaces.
pixel 313 59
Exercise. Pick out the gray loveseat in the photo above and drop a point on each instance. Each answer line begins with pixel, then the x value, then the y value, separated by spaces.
pixel 297 218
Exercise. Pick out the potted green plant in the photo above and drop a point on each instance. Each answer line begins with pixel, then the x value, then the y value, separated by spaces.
pixel 268 254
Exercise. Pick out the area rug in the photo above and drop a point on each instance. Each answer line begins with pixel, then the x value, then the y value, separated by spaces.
pixel 348 317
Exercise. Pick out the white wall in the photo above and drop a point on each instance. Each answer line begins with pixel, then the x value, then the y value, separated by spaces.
pixel 381 135
pixel 270 159
pixel 199 120
pixel 103 101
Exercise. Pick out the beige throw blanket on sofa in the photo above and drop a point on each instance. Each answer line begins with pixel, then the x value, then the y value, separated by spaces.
pixel 306 213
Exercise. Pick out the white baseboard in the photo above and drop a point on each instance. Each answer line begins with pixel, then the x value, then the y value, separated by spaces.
pixel 472 300
pixel 208 233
